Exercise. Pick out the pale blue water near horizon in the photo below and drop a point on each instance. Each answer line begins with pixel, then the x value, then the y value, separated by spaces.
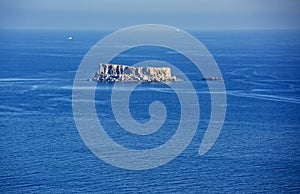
pixel 256 152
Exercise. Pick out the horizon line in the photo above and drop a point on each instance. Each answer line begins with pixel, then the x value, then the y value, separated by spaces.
pixel 185 29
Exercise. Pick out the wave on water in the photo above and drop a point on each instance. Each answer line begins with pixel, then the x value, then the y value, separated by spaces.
pixel 20 79
pixel 14 111
pixel 265 97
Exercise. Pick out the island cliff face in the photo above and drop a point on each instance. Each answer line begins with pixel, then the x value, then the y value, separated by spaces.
pixel 123 73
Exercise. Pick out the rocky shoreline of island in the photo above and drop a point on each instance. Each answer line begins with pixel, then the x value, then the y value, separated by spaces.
pixel 125 73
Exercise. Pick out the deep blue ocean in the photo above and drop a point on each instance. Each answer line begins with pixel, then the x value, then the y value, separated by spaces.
pixel 258 150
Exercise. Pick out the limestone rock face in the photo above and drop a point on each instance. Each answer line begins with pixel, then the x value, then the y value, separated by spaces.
pixel 123 73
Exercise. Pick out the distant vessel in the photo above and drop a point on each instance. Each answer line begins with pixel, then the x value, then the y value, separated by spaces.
pixel 70 38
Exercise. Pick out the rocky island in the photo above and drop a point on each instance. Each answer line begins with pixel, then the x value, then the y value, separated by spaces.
pixel 124 73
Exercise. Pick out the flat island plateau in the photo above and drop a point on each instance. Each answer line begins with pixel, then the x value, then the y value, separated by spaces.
pixel 124 73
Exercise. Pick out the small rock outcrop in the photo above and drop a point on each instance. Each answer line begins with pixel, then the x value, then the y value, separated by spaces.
pixel 124 73
pixel 213 79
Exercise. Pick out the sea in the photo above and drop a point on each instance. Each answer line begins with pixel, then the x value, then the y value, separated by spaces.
pixel 257 151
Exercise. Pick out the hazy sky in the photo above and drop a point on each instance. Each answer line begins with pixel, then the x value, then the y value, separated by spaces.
pixel 115 14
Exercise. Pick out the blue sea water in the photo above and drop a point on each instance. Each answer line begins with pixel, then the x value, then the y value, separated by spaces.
pixel 257 151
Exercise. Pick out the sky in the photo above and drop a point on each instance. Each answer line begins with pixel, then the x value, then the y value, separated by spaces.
pixel 116 14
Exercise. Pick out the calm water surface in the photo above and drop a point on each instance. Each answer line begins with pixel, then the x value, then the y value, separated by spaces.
pixel 257 150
